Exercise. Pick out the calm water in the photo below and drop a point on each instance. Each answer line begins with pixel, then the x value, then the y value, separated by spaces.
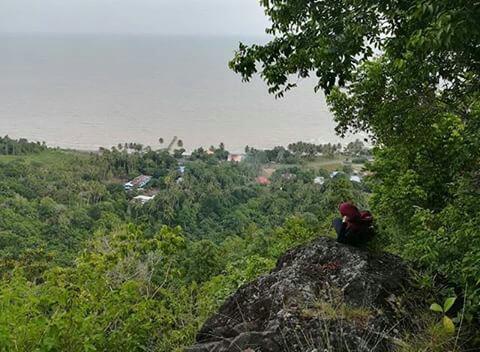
pixel 84 92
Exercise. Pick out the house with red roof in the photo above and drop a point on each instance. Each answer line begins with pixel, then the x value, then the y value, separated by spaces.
pixel 263 181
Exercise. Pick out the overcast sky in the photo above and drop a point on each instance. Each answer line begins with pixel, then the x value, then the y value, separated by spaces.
pixel 186 17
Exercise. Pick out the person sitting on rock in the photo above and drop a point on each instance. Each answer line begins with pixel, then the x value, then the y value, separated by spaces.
pixel 355 228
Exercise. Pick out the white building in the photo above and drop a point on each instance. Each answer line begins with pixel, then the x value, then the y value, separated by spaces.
pixel 319 180
pixel 235 158
pixel 143 199
pixel 137 182
pixel 356 178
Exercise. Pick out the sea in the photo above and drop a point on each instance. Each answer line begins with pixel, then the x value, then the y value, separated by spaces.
pixel 89 91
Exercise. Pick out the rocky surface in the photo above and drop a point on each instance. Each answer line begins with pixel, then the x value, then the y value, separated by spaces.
pixel 321 297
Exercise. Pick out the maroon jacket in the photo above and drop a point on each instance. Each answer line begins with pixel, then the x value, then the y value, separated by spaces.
pixel 356 220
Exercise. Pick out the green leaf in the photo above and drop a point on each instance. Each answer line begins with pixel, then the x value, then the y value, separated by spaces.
pixel 449 303
pixel 436 308
pixel 448 325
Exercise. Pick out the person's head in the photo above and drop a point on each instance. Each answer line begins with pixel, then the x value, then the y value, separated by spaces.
pixel 350 211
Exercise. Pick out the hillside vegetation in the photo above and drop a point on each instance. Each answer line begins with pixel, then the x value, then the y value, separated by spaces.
pixel 407 73
pixel 85 267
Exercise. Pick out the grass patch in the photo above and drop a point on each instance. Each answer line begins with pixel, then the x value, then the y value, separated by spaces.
pixel 433 338
pixel 52 157
pixel 324 310
pixel 329 164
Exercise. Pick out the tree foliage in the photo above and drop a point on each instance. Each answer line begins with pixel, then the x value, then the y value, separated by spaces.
pixel 408 74
pixel 84 268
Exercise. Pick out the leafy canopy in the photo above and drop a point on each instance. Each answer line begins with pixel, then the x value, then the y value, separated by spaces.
pixel 407 72
pixel 409 52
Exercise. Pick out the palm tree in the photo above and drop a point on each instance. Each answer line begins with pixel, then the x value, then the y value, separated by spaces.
pixel 160 140
pixel 180 143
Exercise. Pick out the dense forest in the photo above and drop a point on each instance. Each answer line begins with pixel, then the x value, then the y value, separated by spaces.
pixel 86 267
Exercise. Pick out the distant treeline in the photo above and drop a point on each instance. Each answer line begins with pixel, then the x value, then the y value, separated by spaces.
pixel 296 152
pixel 356 148
pixel 293 154
pixel 9 146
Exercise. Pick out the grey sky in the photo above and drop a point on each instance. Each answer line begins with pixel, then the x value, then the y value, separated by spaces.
pixel 222 17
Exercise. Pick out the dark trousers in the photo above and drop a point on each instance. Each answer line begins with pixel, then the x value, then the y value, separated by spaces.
pixel 357 238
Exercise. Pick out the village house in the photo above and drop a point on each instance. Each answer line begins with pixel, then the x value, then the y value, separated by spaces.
pixel 235 158
pixel 263 181
pixel 356 178
pixel 336 173
pixel 143 199
pixel 319 180
pixel 288 176
pixel 137 182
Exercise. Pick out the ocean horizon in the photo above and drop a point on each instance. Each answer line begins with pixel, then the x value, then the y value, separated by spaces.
pixel 88 91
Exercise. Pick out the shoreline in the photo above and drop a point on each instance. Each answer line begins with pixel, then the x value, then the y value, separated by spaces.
pixel 234 150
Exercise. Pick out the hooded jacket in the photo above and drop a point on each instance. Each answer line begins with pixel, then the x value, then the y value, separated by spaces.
pixel 356 220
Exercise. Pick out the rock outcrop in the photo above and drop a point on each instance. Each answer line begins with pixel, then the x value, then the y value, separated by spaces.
pixel 321 297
